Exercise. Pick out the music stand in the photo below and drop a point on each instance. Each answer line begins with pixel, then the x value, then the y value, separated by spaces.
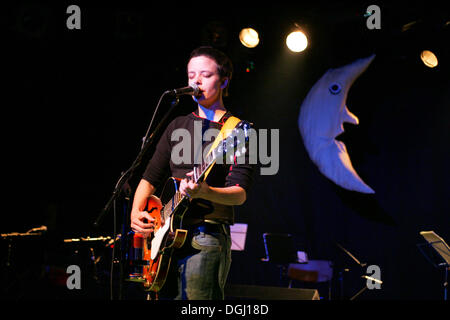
pixel 238 236
pixel 437 252
pixel 280 250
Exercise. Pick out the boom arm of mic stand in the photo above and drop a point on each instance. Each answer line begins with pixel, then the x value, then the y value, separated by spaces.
pixel 125 177
pixel 351 256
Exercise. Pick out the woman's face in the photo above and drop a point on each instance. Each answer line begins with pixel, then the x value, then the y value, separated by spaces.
pixel 203 72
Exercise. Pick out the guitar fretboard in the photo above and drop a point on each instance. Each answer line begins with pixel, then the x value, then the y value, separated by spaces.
pixel 198 173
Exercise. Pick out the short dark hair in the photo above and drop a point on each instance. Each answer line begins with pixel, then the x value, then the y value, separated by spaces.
pixel 224 64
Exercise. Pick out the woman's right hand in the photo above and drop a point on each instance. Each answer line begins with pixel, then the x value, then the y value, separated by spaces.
pixel 142 222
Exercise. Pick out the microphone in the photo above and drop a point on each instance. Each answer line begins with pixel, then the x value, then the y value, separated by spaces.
pixel 192 90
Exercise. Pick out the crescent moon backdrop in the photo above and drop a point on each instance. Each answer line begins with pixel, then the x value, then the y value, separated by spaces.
pixel 321 120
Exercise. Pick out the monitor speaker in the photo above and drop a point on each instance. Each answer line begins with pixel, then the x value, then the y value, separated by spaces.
pixel 237 292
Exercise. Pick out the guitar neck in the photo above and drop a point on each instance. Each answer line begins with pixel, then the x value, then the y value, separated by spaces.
pixel 199 171
pixel 198 174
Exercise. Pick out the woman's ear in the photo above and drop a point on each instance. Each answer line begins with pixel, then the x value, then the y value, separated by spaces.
pixel 224 83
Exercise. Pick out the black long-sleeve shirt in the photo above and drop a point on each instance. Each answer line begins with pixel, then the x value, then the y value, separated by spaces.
pixel 221 175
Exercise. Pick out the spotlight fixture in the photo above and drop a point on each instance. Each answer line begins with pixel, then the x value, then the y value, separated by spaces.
pixel 429 58
pixel 297 41
pixel 249 37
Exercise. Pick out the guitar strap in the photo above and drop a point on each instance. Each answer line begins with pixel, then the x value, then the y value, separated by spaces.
pixel 227 127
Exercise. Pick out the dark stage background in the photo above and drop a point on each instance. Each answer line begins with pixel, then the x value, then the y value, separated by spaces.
pixel 77 103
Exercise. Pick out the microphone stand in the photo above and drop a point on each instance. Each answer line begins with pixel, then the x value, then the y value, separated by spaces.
pixel 122 187
pixel 341 275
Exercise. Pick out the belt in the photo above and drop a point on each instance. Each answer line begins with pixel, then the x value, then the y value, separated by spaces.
pixel 211 228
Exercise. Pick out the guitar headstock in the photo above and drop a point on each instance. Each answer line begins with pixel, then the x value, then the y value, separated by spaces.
pixel 235 143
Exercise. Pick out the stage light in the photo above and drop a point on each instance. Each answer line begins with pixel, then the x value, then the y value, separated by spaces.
pixel 297 41
pixel 249 37
pixel 429 58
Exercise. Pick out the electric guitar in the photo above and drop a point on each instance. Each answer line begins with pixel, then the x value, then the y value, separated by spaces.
pixel 168 233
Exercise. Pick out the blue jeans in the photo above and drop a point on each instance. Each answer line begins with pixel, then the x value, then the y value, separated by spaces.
pixel 203 271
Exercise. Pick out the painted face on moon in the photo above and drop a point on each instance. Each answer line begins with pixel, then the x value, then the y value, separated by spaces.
pixel 321 119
